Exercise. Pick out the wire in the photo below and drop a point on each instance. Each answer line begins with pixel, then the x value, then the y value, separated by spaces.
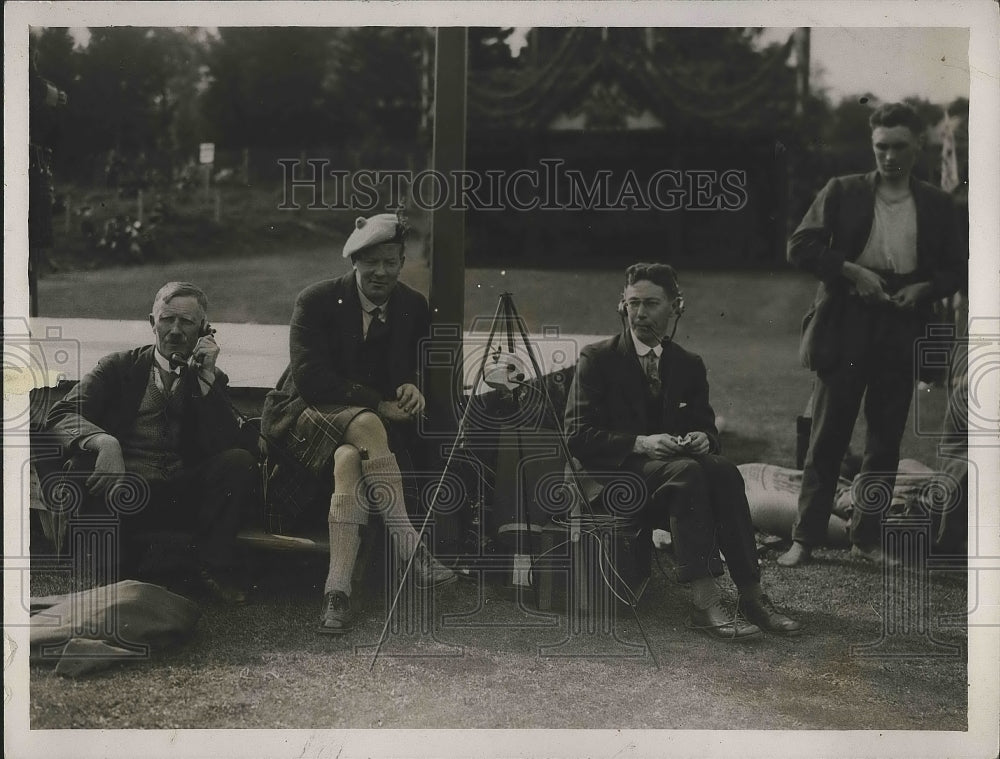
pixel 531 566
pixel 631 605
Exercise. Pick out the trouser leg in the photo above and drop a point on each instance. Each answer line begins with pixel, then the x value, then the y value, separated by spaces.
pixel 679 494
pixel 836 400
pixel 223 487
pixel 887 405
pixel 727 492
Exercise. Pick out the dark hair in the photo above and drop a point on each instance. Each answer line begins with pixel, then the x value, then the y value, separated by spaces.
pixel 659 274
pixel 897 114
pixel 173 290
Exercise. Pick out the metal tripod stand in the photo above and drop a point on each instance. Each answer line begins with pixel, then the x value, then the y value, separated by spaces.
pixel 503 371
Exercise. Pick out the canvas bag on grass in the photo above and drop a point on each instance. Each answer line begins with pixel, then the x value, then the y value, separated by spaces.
pixel 92 629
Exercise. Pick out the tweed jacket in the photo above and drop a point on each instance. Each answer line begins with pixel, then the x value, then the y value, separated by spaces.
pixel 107 400
pixel 606 408
pixel 836 229
pixel 325 339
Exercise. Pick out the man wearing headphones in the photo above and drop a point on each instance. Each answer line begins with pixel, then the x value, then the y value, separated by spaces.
pixel 639 403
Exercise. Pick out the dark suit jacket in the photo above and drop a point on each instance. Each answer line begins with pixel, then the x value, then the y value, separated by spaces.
pixel 107 400
pixel 325 338
pixel 606 408
pixel 836 228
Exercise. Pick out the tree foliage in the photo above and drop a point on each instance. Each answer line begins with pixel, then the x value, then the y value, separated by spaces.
pixel 157 92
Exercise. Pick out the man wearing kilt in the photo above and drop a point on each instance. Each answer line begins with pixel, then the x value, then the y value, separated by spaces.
pixel 347 403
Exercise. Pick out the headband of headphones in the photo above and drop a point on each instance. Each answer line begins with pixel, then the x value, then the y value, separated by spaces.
pixel 663 275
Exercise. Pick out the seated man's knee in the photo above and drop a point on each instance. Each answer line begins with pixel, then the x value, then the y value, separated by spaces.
pixel 675 475
pixel 719 467
pixel 687 471
pixel 366 429
pixel 346 461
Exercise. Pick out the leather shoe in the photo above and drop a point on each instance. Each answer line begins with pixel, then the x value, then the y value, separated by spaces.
pixel 874 554
pixel 717 622
pixel 798 554
pixel 763 613
pixel 337 617
pixel 428 572
pixel 221 590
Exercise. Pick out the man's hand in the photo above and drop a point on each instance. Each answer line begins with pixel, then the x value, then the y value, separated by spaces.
pixel 410 400
pixel 204 355
pixel 911 295
pixel 697 443
pixel 661 446
pixel 110 465
pixel 391 411
pixel 870 286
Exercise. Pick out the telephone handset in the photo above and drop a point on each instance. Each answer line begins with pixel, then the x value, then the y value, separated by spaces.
pixel 177 359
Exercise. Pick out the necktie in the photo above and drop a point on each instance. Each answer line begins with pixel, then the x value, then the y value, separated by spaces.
pixel 189 423
pixel 169 377
pixel 651 368
pixel 376 328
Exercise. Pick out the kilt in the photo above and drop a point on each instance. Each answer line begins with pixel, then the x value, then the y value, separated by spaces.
pixel 301 471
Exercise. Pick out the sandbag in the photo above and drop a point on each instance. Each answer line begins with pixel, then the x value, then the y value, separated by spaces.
pixel 123 621
pixel 773 494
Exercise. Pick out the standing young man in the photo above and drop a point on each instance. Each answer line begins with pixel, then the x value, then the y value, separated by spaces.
pixel 884 246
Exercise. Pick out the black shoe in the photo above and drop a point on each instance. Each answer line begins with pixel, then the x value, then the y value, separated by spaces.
pixel 718 623
pixel 222 590
pixel 763 613
pixel 337 617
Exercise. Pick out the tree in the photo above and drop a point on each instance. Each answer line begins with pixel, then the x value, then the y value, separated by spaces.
pixel 132 93
pixel 488 47
pixel 266 87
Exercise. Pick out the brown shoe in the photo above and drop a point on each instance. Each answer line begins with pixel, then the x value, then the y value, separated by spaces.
pixel 428 572
pixel 718 623
pixel 222 590
pixel 763 613
pixel 337 617
pixel 795 556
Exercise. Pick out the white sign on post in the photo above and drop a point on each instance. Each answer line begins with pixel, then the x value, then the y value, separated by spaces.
pixel 206 152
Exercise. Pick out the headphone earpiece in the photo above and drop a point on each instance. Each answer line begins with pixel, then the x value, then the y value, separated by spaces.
pixel 679 303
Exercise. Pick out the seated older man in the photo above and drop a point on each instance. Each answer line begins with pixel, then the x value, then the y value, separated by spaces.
pixel 159 414
pixel 639 403
pixel 347 403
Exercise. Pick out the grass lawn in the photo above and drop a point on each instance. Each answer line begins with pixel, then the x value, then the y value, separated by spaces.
pixel 744 324
pixel 263 666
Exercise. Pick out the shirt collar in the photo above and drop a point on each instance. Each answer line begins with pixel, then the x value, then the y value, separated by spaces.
pixel 641 349
pixel 164 363
pixel 367 306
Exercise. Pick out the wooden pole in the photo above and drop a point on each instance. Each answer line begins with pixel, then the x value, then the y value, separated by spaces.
pixel 447 238
pixel 446 252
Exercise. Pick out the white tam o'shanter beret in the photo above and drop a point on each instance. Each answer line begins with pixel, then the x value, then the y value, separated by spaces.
pixel 383 227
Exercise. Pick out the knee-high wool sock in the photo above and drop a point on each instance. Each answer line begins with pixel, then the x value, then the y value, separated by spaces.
pixel 347 517
pixel 383 486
